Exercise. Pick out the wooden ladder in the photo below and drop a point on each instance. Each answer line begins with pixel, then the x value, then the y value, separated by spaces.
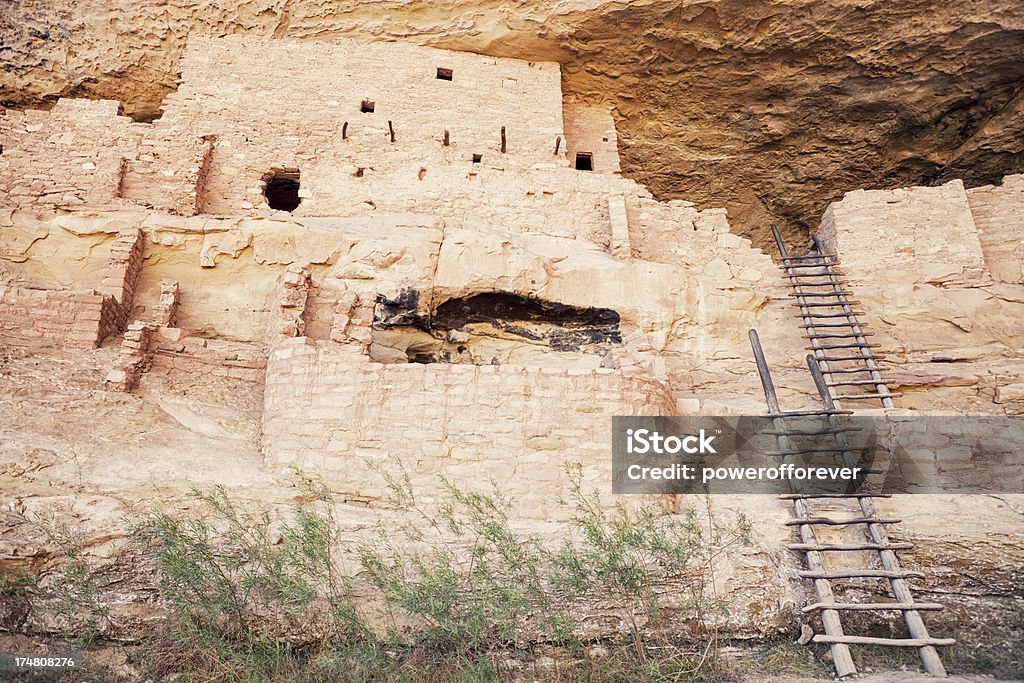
pixel 838 340
pixel 859 511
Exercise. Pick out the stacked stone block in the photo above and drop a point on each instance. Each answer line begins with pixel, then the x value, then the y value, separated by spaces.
pixel 134 358
pixel 54 317
pixel 174 352
pixel 123 270
pixel 328 408
pixel 165 313
pixel 286 317
pixel 928 231
pixel 71 155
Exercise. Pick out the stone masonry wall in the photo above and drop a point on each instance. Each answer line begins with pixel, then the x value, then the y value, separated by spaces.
pixel 54 317
pixel 123 270
pixel 70 155
pixel 281 104
pixel 919 262
pixel 884 234
pixel 82 152
pixel 329 409
pixel 998 213
pixel 590 129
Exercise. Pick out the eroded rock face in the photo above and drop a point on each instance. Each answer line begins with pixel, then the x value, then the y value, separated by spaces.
pixel 771 109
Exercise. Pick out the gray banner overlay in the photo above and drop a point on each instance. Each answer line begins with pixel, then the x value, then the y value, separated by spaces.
pixel 818 454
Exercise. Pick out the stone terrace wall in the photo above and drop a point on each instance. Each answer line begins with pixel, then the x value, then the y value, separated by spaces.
pixel 328 409
pixel 998 212
pixel 675 232
pixel 56 317
pixel 883 235
pixel 67 156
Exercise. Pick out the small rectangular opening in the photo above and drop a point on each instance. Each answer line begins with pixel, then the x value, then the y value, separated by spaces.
pixel 477 158
pixel 584 161
pixel 366 107
pixel 444 74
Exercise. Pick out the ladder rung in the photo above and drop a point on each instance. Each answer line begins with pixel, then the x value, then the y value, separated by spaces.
pixel 823 303
pixel 872 606
pixel 815 283
pixel 812 326
pixel 798 284
pixel 861 574
pixel 844 371
pixel 811 432
pixel 833 315
pixel 828 521
pixel 810 413
pixel 849 547
pixel 830 359
pixel 891 642
pixel 842 292
pixel 808 257
pixel 804 451
pixel 844 335
pixel 864 397
pixel 831 347
pixel 862 494
pixel 854 382
pixel 811 265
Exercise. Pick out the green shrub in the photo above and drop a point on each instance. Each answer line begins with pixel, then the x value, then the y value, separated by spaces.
pixel 484 588
pixel 72 593
pixel 256 595
pixel 245 589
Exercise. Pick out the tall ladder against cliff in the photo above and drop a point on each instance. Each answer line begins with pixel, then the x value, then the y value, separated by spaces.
pixel 829 320
pixel 860 512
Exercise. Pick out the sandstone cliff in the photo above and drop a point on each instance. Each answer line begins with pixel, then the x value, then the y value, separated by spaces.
pixel 771 109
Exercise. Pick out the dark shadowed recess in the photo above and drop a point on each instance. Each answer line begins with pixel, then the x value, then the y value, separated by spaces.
pixel 564 327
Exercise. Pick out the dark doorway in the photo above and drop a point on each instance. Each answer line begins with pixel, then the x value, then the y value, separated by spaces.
pixel 584 161
pixel 282 190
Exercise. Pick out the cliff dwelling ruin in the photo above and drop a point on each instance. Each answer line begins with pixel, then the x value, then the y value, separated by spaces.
pixel 301 266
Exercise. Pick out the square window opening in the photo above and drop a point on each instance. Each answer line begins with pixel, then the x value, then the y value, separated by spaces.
pixel 584 161
pixel 367 106
pixel 477 158
pixel 444 74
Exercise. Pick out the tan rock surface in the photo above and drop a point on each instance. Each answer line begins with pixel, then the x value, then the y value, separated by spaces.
pixel 771 109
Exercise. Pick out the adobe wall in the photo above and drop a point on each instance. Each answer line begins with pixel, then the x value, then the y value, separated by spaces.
pixel 331 410
pixel 998 212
